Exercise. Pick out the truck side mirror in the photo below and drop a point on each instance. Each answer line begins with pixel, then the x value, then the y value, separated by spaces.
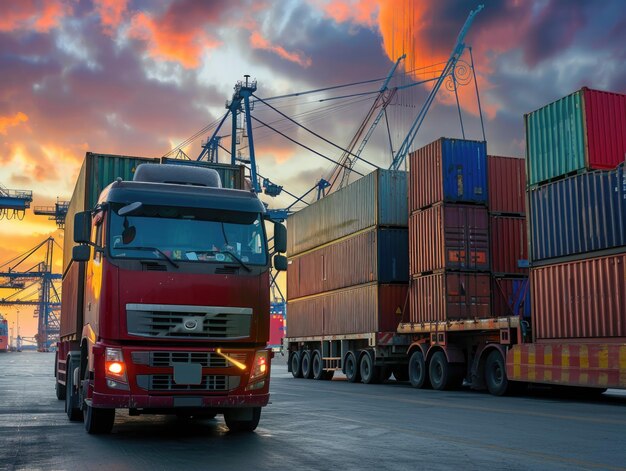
pixel 280 237
pixel 280 262
pixel 81 253
pixel 82 227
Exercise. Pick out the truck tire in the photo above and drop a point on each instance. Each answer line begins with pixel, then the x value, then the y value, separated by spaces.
pixel 401 373
pixel 307 364
pixel 495 374
pixel 98 421
pixel 318 366
pixel 59 389
pixel 442 374
pixel 71 396
pixel 239 426
pixel 296 367
pixel 352 368
pixel 369 373
pixel 418 374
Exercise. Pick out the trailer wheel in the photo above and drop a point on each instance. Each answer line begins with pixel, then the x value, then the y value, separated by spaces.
pixel 369 373
pixel 418 374
pixel 442 374
pixel 495 374
pixel 307 364
pixel 239 426
pixel 318 366
pixel 71 396
pixel 401 373
pixel 352 368
pixel 296 367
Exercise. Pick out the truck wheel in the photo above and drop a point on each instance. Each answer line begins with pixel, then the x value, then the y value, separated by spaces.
pixel 442 374
pixel 495 374
pixel 369 373
pixel 59 389
pixel 307 365
pixel 318 366
pixel 401 373
pixel 71 396
pixel 352 368
pixel 98 421
pixel 418 374
pixel 238 426
pixel 296 367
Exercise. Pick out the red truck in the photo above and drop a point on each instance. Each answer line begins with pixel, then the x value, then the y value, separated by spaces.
pixel 166 296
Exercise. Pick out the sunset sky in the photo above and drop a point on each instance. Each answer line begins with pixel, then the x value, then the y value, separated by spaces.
pixel 137 77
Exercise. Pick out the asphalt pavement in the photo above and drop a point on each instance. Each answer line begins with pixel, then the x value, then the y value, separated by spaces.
pixel 325 425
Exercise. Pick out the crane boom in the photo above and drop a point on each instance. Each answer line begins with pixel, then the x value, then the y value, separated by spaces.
pixel 457 51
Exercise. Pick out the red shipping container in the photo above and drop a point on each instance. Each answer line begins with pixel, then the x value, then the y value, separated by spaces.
pixel 450 296
pixel 449 236
pixel 584 299
pixel 605 122
pixel 507 184
pixel 509 244
pixel 277 330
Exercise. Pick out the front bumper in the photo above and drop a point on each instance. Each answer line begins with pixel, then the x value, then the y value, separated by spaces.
pixel 136 401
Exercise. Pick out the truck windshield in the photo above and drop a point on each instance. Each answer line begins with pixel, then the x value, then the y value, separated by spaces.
pixel 189 235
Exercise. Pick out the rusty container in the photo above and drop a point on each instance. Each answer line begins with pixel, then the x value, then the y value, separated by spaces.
pixel 582 299
pixel 450 170
pixel 449 236
pixel 448 296
pixel 510 296
pixel 507 185
pixel 509 245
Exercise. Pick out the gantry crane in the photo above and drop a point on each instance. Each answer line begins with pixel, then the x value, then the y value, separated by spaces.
pixel 13 203
pixel 35 285
pixel 55 213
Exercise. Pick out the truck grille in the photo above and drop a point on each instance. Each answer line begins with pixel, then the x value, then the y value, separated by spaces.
pixel 166 383
pixel 199 322
pixel 165 359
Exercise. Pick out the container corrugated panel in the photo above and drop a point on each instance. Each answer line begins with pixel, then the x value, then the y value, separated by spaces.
pixel 450 296
pixel 376 255
pixel 449 236
pixel 451 170
pixel 232 176
pixel 581 299
pixel 578 214
pixel 507 184
pixel 510 297
pixel 379 198
pixel 305 317
pixel 509 244
pixel 71 322
pixel 584 130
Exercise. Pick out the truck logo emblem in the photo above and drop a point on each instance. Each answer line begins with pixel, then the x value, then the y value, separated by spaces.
pixel 191 324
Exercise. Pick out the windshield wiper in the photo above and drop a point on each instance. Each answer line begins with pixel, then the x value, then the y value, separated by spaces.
pixel 151 249
pixel 236 258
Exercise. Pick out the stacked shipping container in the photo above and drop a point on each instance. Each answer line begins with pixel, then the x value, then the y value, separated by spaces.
pixel 449 232
pixel 348 259
pixel 576 147
pixel 509 247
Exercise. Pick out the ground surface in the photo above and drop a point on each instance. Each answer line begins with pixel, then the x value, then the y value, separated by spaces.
pixel 318 425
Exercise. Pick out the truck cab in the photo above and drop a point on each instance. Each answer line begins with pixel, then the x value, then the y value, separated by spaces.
pixel 175 301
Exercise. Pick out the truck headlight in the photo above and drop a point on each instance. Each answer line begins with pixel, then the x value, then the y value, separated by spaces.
pixel 260 366
pixel 114 366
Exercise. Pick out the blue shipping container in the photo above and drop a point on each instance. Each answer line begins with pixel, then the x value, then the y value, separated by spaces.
pixel 579 214
pixel 393 255
pixel 451 170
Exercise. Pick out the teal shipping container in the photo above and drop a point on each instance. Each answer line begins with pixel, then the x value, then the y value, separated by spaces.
pixel 584 130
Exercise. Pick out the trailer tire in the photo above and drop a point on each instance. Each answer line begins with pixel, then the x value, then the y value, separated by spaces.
pixel 352 370
pixel 495 374
pixel 318 366
pixel 307 364
pixel 98 421
pixel 296 366
pixel 442 374
pixel 401 373
pixel 418 374
pixel 242 426
pixel 369 373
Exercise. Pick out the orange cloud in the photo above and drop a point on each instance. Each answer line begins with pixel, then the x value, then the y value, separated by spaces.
pixel 259 42
pixel 40 15
pixel 111 13
pixel 9 121
pixel 166 41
